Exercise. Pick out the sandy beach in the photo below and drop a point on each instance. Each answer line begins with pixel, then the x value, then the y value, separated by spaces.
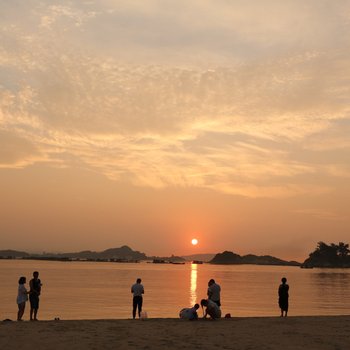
pixel 318 333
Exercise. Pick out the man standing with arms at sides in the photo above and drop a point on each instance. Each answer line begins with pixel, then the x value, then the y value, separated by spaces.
pixel 137 290
pixel 214 292
pixel 35 290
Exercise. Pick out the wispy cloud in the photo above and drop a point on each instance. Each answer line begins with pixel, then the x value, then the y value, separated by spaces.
pixel 231 125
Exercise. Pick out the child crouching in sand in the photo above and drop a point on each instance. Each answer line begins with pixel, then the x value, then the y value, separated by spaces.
pixel 189 313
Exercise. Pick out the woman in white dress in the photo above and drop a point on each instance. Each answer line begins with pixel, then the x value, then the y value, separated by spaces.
pixel 22 297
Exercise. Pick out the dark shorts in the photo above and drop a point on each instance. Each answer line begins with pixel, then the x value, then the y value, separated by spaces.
pixel 34 301
pixel 283 304
pixel 137 301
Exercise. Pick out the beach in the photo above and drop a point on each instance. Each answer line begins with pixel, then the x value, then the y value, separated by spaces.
pixel 307 332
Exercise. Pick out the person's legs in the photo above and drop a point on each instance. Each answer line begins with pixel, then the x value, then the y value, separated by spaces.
pixel 34 306
pixel 134 306
pixel 139 305
pixel 21 308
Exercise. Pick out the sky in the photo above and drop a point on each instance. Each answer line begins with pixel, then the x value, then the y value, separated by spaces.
pixel 149 123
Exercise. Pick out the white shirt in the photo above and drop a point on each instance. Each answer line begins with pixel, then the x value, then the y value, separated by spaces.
pixel 214 292
pixel 188 313
pixel 213 310
pixel 137 289
pixel 22 296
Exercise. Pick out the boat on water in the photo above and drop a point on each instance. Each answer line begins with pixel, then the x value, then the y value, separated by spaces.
pixel 177 262
pixel 159 261
pixel 197 262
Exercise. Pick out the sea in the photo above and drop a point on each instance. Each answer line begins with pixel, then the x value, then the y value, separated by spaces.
pixel 101 290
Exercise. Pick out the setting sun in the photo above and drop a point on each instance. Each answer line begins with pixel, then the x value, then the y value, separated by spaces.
pixel 194 241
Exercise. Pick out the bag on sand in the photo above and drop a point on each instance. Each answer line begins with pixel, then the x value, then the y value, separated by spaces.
pixel 143 315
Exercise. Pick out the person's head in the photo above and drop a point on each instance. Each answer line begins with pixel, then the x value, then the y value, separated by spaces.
pixel 284 280
pixel 35 274
pixel 204 302
pixel 138 280
pixel 211 282
pixel 22 280
pixel 196 306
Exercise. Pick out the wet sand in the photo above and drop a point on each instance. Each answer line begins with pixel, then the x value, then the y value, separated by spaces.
pixel 307 333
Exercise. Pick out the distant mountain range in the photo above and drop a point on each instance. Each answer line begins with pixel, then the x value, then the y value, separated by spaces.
pixel 201 257
pixel 125 253
pixel 230 258
pixel 9 253
pixel 325 255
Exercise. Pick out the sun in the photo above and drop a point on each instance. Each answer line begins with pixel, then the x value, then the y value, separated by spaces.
pixel 194 241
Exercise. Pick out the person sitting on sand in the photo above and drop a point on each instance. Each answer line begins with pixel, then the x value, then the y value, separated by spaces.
pixel 189 313
pixel 283 296
pixel 137 290
pixel 22 297
pixel 212 309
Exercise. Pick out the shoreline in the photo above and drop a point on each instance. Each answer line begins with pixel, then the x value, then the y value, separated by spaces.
pixel 292 332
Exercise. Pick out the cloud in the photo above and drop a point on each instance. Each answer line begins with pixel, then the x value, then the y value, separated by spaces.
pixel 16 152
pixel 119 87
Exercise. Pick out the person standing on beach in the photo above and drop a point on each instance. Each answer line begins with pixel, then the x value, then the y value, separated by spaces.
pixel 22 297
pixel 34 293
pixel 283 296
pixel 214 292
pixel 137 290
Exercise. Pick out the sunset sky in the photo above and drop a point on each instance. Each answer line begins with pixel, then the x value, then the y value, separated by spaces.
pixel 151 122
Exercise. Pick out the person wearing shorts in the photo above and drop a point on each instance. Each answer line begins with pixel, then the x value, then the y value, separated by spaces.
pixel 34 293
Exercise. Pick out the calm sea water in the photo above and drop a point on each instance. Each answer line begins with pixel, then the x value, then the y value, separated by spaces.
pixel 89 290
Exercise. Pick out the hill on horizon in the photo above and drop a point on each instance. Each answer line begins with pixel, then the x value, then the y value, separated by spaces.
pixel 230 258
pixel 126 253
pixel 123 252
pixel 202 257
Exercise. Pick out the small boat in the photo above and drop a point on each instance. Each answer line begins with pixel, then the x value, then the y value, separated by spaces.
pixel 159 261
pixel 197 262
pixel 306 267
pixel 177 262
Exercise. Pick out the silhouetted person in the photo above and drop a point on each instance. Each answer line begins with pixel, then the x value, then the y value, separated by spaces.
pixel 189 313
pixel 137 290
pixel 283 295
pixel 214 292
pixel 35 290
pixel 212 309
pixel 22 297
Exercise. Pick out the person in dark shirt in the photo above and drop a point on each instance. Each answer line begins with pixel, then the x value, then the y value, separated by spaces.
pixel 283 296
pixel 35 290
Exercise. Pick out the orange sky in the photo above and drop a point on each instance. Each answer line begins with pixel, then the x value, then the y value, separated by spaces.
pixel 151 123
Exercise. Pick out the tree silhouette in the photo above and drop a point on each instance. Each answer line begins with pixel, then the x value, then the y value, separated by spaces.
pixel 332 255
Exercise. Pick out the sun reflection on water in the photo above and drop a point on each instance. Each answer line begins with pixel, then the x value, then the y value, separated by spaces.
pixel 193 294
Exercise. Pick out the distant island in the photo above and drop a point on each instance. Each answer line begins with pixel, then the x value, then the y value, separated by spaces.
pixel 329 255
pixel 126 254
pixel 324 256
pixel 230 258
pixel 199 257
pixel 122 254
